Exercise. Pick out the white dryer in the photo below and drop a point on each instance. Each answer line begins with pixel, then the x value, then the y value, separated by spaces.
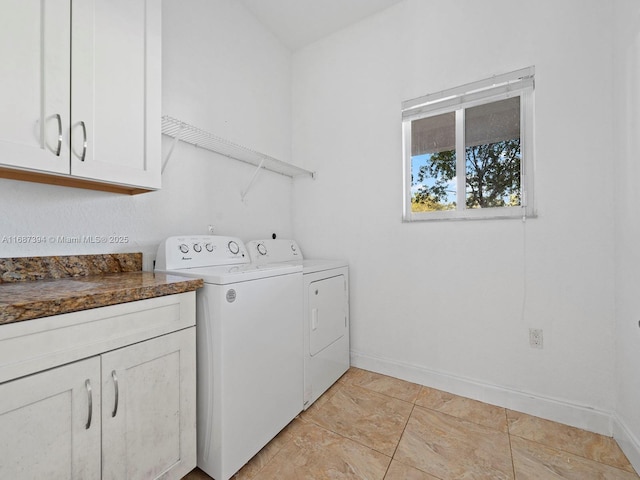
pixel 249 347
pixel 326 312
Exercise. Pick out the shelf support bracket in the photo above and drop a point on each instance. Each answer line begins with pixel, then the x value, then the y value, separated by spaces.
pixel 176 139
pixel 253 178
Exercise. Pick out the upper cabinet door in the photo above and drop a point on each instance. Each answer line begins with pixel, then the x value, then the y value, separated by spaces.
pixel 115 78
pixel 34 84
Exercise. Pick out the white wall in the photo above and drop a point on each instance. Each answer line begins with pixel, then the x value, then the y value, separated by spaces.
pixel 223 72
pixel 627 141
pixel 450 304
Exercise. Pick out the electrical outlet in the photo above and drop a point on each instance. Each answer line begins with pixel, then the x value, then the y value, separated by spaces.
pixel 535 337
pixel 148 261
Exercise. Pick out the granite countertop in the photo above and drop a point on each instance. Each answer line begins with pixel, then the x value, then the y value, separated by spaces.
pixel 35 287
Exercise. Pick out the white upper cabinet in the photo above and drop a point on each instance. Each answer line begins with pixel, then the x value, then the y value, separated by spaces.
pixel 80 92
pixel 34 84
pixel 115 78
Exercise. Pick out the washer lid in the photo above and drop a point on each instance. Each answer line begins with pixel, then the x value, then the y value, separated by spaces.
pixel 224 275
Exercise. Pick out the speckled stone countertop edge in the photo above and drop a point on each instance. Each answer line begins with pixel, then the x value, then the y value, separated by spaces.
pixel 44 298
pixel 36 287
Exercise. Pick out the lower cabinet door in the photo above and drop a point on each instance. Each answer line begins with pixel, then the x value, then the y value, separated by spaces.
pixel 148 411
pixel 50 424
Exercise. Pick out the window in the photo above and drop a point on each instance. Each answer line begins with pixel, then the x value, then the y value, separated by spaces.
pixel 468 150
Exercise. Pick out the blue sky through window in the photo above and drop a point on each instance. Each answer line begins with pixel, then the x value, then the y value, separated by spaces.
pixel 418 161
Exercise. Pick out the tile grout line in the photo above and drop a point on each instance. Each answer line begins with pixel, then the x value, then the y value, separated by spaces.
pixel 391 457
pixel 268 461
pixel 508 432
pixel 413 406
pixel 513 463
pixel 566 452
pixel 312 421
pixel 352 381
pixel 559 449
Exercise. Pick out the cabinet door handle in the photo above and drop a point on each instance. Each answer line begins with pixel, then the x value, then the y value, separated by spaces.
pixel 84 141
pixel 115 383
pixel 59 118
pixel 87 385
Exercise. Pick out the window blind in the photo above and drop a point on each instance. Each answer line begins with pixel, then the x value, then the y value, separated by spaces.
pixel 466 94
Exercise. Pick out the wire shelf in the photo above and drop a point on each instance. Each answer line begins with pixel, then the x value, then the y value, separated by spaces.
pixel 184 132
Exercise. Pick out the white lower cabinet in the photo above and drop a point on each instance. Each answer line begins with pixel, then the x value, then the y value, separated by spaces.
pixel 50 424
pixel 127 413
pixel 148 409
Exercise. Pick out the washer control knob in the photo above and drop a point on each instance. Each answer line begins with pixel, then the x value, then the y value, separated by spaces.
pixel 209 247
pixel 233 247
pixel 197 247
pixel 183 248
pixel 262 250
pixel 293 247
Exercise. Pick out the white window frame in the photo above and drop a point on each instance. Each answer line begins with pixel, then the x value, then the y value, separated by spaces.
pixel 519 83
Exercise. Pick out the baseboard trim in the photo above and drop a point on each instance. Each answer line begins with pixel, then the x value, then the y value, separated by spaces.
pixel 628 442
pixel 575 415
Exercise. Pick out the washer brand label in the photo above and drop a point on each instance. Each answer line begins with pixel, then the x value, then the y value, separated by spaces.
pixel 231 295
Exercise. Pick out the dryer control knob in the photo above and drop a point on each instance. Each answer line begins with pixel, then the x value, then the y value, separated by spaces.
pixel 262 250
pixel 183 248
pixel 209 247
pixel 197 247
pixel 233 247
pixel 293 247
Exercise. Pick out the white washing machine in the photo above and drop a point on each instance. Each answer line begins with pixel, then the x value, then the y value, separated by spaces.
pixel 249 347
pixel 326 312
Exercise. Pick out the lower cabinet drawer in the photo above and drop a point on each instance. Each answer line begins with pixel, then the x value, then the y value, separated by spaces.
pixel 34 345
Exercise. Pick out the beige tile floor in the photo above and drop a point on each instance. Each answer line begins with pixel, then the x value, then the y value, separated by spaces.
pixel 370 426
